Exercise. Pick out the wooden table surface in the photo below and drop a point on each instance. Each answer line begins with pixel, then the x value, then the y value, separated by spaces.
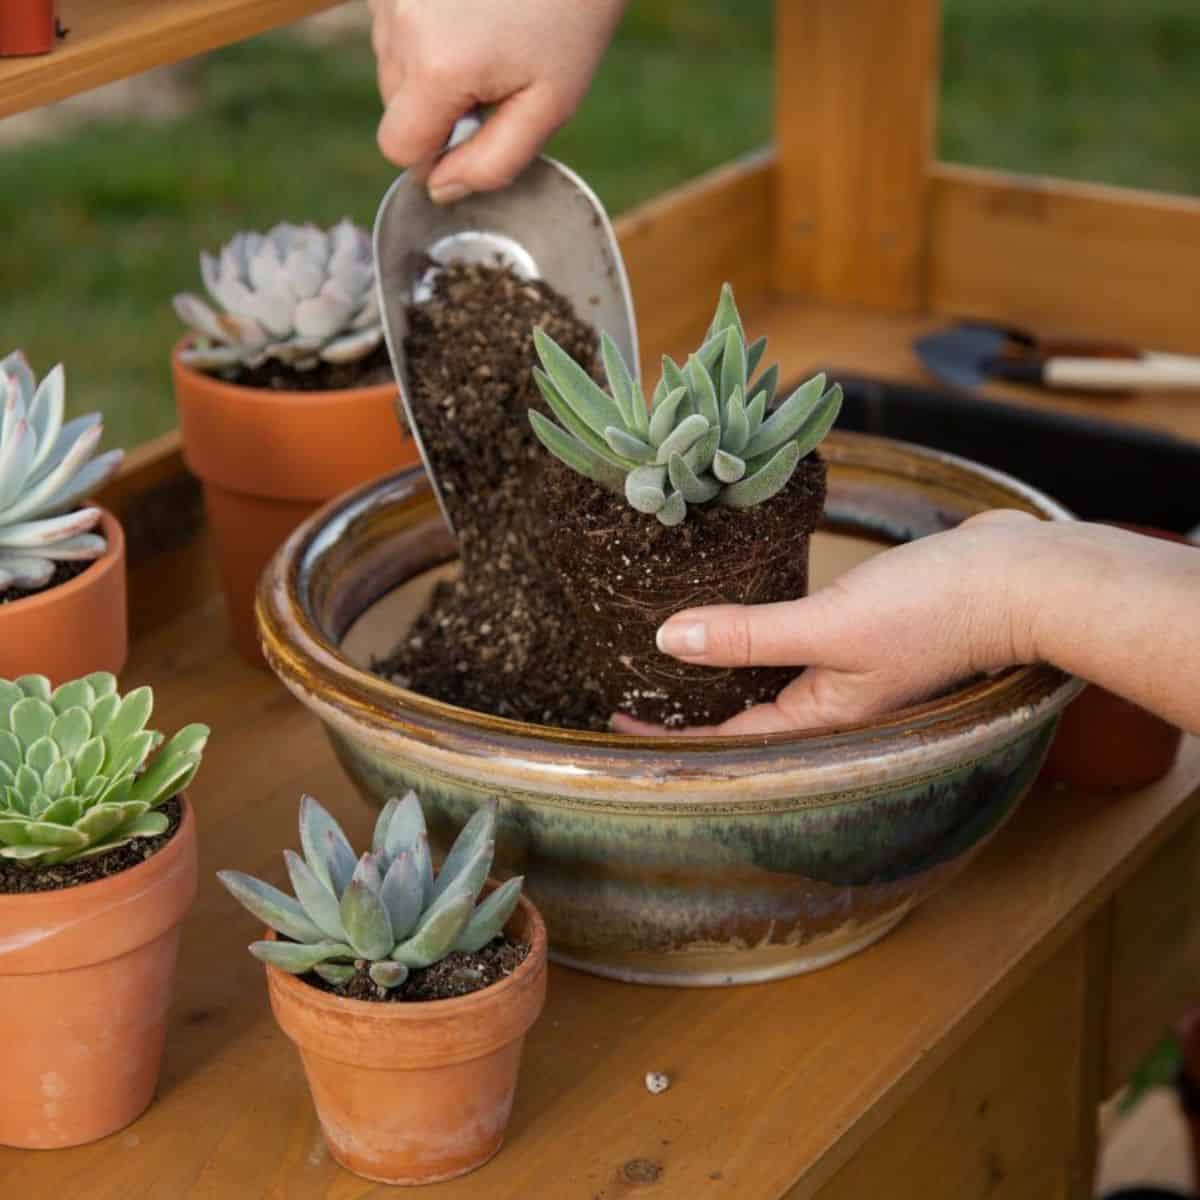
pixel 985 1022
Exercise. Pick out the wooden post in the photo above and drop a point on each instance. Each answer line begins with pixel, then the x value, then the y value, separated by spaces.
pixel 854 118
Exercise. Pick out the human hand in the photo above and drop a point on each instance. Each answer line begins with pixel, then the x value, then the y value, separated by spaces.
pixel 530 59
pixel 894 630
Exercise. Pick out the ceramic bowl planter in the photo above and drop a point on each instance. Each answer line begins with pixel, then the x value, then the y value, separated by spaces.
pixel 268 459
pixel 27 27
pixel 85 983
pixel 416 1093
pixel 675 860
pixel 75 628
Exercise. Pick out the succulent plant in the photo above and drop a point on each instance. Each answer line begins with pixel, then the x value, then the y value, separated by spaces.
pixel 76 777
pixel 297 293
pixel 385 912
pixel 46 470
pixel 709 433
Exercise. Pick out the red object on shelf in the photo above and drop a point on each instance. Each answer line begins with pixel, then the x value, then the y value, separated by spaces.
pixel 27 27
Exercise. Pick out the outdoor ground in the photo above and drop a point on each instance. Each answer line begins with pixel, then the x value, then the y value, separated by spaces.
pixel 102 222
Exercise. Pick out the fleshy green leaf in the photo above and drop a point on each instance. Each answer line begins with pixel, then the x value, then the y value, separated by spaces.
pixel 569 421
pixel 470 858
pixel 76 694
pixel 765 386
pixel 693 489
pixel 785 422
pixel 37 686
pixel 437 933
pixel 766 482
pixel 703 391
pixel 733 365
pixel 586 397
pixel 326 848
pixel 403 895
pixel 700 456
pixel 103 820
pixel 130 717
pixel 628 446
pixel 736 431
pixel 296 959
pixel 70 730
pixel 407 824
pixel 319 903
pixel 624 388
pixel 726 316
pixel 728 468
pixel 365 920
pixel 689 431
pixel 271 906
pixel 335 973
pixel 379 836
pixel 491 916
pixel 575 454
pixel 662 420
pixel 754 353
pixel 166 776
pixel 41 755
pixel 30 720
pixel 644 488
pixel 673 512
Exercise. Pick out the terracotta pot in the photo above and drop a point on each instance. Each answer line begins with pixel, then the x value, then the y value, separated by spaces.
pixel 85 983
pixel 416 1093
pixel 26 27
pixel 73 629
pixel 1107 743
pixel 269 459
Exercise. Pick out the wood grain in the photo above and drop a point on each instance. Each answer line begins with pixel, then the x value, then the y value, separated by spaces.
pixel 1066 257
pixel 855 92
pixel 773 1085
pixel 113 39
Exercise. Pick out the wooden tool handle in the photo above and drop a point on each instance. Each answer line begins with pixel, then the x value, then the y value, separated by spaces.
pixel 1110 374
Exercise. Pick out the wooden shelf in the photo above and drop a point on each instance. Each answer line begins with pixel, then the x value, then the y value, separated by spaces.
pixel 112 39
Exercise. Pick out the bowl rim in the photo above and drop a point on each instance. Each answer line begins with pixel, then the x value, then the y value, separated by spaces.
pixel 297 649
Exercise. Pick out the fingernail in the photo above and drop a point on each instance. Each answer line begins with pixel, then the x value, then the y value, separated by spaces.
pixel 687 640
pixel 448 193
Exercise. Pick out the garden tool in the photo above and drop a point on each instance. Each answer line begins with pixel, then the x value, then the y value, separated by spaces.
pixel 971 353
pixel 548 224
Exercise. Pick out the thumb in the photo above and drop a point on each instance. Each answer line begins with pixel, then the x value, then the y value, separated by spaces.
pixel 788 634
pixel 506 143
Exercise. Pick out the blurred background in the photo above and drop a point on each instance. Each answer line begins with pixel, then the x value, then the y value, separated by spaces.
pixel 106 200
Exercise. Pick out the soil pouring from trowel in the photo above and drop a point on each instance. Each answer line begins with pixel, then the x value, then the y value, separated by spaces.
pixel 586 512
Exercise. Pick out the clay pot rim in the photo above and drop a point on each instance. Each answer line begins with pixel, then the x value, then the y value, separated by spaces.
pixel 965 721
pixel 415 1014
pixel 110 560
pixel 157 862
pixel 277 398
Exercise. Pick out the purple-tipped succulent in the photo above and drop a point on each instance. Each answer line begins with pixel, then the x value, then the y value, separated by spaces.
pixel 385 912
pixel 297 293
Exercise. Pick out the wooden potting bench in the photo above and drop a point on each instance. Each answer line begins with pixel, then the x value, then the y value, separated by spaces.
pixel 964 1056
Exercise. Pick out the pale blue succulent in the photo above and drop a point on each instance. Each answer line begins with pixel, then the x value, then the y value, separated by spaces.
pixel 297 293
pixel 48 469
pixel 710 433
pixel 387 911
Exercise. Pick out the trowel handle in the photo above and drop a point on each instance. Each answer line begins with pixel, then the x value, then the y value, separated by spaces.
pixel 465 127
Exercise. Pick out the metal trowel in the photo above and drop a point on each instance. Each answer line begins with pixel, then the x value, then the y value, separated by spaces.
pixel 547 225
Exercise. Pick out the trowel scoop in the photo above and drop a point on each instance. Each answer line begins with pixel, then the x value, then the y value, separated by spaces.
pixel 547 225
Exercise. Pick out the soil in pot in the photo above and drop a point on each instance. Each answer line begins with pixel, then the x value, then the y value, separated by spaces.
pixel 500 639
pixel 16 879
pixel 626 573
pixel 273 375
pixel 458 974
pixel 63 573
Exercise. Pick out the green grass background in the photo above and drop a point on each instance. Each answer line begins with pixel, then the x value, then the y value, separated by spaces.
pixel 99 227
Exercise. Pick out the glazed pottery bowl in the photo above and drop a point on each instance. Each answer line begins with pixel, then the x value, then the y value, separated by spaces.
pixel 675 860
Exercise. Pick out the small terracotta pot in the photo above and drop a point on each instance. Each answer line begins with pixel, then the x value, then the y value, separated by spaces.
pixel 85 983
pixel 416 1093
pixel 1106 743
pixel 26 27
pixel 73 629
pixel 269 459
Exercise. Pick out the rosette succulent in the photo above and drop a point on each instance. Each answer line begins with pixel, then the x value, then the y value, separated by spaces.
pixel 47 469
pixel 386 912
pixel 710 433
pixel 297 293
pixel 76 773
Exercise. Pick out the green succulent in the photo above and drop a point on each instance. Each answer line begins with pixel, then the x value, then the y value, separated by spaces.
pixel 76 776
pixel 386 912
pixel 709 434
